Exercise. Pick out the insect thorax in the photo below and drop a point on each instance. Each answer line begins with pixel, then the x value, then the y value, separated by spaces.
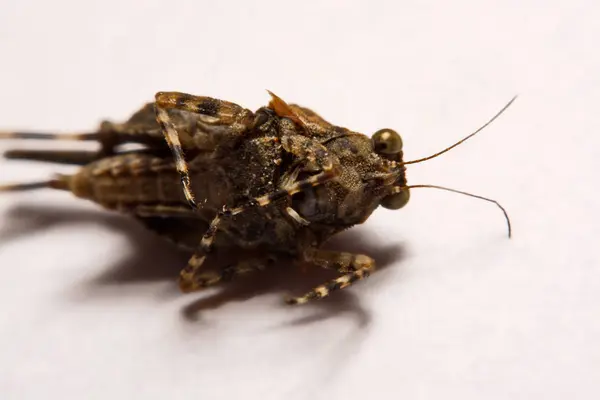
pixel 232 174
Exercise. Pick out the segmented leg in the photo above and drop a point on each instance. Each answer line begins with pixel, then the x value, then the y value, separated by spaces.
pixel 109 136
pixel 226 274
pixel 140 128
pixel 206 245
pixel 211 111
pixel 311 152
pixel 354 266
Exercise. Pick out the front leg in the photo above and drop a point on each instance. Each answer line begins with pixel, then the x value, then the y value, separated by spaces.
pixel 354 266
pixel 212 111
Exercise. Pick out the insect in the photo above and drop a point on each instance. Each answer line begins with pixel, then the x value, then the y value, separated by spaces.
pixel 212 175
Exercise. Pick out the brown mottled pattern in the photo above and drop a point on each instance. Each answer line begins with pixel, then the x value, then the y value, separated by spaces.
pixel 214 175
pixel 128 180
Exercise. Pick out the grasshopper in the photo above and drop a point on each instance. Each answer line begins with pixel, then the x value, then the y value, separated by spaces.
pixel 212 175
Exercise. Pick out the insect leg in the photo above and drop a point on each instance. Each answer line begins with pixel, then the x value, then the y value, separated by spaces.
pixel 354 266
pixel 109 136
pixel 231 272
pixel 211 111
pixel 141 128
pixel 312 152
pixel 314 156
pixel 187 275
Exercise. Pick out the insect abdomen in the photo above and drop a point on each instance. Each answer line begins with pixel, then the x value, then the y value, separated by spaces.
pixel 127 180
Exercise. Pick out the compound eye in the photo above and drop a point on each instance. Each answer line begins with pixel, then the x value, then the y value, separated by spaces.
pixel 396 201
pixel 387 141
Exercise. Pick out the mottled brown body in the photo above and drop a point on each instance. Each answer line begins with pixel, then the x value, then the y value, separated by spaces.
pixel 281 180
pixel 231 174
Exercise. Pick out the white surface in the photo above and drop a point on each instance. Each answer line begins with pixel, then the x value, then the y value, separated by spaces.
pixel 89 308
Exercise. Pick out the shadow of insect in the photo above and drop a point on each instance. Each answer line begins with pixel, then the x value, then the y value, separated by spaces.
pixel 151 259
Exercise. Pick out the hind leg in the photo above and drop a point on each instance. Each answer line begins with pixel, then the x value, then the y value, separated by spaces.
pixel 210 111
pixel 109 136
pixel 141 128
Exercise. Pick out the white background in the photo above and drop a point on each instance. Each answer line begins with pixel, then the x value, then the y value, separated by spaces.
pixel 89 308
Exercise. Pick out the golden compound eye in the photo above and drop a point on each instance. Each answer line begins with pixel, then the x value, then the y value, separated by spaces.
pixel 387 141
pixel 396 201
